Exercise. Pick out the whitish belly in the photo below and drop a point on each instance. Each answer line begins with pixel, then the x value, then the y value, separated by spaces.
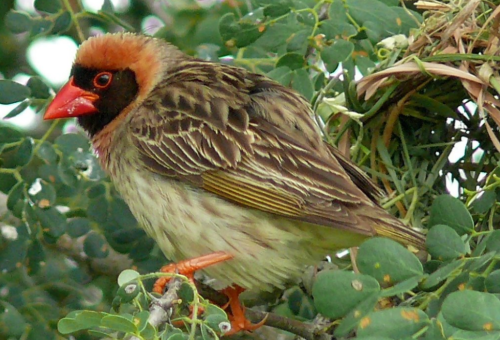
pixel 268 251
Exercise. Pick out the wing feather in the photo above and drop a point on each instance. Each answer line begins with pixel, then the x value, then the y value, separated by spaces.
pixel 253 142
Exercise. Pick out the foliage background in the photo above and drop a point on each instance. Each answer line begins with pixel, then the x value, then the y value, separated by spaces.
pixel 66 234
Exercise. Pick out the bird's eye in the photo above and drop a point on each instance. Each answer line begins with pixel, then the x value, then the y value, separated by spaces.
pixel 102 80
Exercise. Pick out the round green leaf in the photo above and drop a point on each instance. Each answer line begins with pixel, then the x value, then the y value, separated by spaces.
pixel 472 310
pixel 118 323
pixel 242 33
pixel 402 287
pixel 62 23
pixel 302 83
pixel 292 60
pixel 40 26
pixel 337 292
pixel 47 152
pixel 282 75
pixel 12 92
pixel 9 135
pixel 12 323
pixel 338 52
pixel 299 40
pixel 72 142
pixel 42 194
pixel 95 246
pixel 128 292
pixel 492 282
pixel 15 201
pixel 52 221
pixel 493 241
pixel 278 8
pixel 38 88
pixel 394 323
pixel 219 323
pixel 352 319
pixel 24 152
pixel 443 243
pixel 49 6
pixel 452 212
pixel 127 276
pixel 78 320
pixel 78 226
pixel 387 261
pixel 484 202
pixel 18 22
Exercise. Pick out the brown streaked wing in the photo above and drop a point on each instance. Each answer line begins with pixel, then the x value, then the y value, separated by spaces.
pixel 234 145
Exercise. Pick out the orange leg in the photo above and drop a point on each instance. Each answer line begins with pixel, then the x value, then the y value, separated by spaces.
pixel 237 316
pixel 188 267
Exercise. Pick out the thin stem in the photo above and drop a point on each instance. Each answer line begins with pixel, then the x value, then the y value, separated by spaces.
pixel 78 28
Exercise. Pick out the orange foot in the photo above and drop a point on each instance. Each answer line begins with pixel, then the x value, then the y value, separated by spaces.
pixel 237 316
pixel 188 267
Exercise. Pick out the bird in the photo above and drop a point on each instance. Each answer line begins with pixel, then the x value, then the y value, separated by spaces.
pixel 219 163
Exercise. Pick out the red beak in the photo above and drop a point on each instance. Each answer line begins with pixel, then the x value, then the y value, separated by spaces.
pixel 71 101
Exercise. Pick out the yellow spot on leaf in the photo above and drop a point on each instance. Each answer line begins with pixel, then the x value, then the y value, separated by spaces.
pixel 357 313
pixel 398 21
pixel 387 278
pixel 488 326
pixel 262 28
pixel 44 203
pixel 461 286
pixel 19 265
pixel 377 265
pixel 365 322
pixel 410 315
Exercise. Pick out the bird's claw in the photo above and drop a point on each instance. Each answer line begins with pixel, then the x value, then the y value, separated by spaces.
pixel 188 267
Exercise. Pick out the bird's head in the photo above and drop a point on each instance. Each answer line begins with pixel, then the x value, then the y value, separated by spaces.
pixel 111 74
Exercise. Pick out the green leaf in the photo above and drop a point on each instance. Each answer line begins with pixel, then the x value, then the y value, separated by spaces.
pixel 78 226
pixel 443 243
pixel 127 276
pixel 353 318
pixel 282 75
pixel 333 29
pixel 49 6
pixel 42 193
pixel 377 16
pixel 128 292
pixel 241 33
pixel 53 223
pixel 40 26
pixel 38 88
pixel 299 40
pixel 219 323
pixel 118 323
pixel 72 142
pixel 387 261
pixel 9 135
pixel 292 60
pixel 493 241
pixel 492 282
pixel 394 323
pixel 275 36
pixel 402 287
pixel 15 201
pixel 47 152
pixel 18 22
pixel 95 246
pixel 278 8
pixel 18 109
pixel 12 92
pixel 452 212
pixel 338 52
pixel 302 83
pixel 12 323
pixel 24 152
pixel 337 292
pixel 473 311
pixel 440 275
pixel 78 320
pixel 62 23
